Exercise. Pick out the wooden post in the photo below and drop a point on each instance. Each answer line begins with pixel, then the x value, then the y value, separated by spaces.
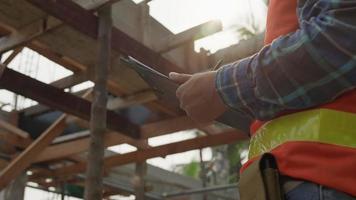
pixel 94 185
pixel 141 167
pixel 16 189
pixel 25 158
pixel 139 180
pixel 203 173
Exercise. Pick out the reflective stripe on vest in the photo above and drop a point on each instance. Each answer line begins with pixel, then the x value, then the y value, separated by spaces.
pixel 318 125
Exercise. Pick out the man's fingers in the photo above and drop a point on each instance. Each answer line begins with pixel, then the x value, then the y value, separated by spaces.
pixel 179 78
pixel 179 92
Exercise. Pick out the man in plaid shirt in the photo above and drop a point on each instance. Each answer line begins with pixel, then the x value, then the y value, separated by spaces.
pixel 308 67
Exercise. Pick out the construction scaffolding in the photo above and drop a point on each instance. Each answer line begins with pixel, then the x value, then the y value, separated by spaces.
pixel 51 140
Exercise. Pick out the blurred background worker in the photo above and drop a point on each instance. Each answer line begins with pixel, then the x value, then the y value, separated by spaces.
pixel 301 87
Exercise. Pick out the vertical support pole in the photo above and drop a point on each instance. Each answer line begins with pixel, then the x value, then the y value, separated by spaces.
pixel 63 192
pixel 141 167
pixel 94 184
pixel 16 189
pixel 203 172
pixel 139 181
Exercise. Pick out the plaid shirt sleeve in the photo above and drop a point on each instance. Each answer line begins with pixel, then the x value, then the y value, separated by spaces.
pixel 306 68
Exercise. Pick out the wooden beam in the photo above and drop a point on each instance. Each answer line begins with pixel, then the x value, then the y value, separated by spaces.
pixel 55 57
pixel 102 4
pixel 71 137
pixel 159 151
pixel 87 23
pixel 13 55
pixel 58 99
pixel 74 66
pixel 4 30
pixel 3 163
pixel 112 85
pixel 63 83
pixel 63 150
pixel 174 41
pixel 24 160
pixel 66 149
pixel 70 80
pixel 13 129
pixel 135 99
pixel 27 33
pixel 167 126
pixel 140 144
pixel 14 139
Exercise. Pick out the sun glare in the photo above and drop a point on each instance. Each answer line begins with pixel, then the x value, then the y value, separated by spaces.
pixel 180 15
pixel 224 10
pixel 217 41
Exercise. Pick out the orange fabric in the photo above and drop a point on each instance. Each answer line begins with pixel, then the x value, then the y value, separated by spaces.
pixel 329 165
pixel 345 103
pixel 281 19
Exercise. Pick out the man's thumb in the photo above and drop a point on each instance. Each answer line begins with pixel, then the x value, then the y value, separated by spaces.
pixel 179 78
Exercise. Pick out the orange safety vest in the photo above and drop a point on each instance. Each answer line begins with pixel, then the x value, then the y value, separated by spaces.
pixel 317 145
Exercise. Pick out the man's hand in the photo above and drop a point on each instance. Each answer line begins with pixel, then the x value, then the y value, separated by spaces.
pixel 198 96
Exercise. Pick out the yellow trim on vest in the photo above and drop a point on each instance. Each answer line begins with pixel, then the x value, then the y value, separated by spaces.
pixel 319 125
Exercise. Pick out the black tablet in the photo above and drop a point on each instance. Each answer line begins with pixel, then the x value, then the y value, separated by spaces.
pixel 165 90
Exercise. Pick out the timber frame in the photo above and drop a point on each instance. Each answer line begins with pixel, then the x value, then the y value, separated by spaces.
pixel 58 155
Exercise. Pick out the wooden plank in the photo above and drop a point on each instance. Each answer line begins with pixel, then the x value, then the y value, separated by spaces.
pixel 4 30
pixel 58 99
pixel 87 23
pixel 70 81
pixel 116 88
pixel 14 140
pixel 3 163
pixel 13 129
pixel 62 150
pixel 27 33
pixel 24 160
pixel 71 137
pixel 113 86
pixel 102 4
pixel 167 126
pixel 65 82
pixel 66 149
pixel 159 151
pixel 57 58
pixel 135 99
pixel 13 55
pixel 174 41
pixel 55 34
